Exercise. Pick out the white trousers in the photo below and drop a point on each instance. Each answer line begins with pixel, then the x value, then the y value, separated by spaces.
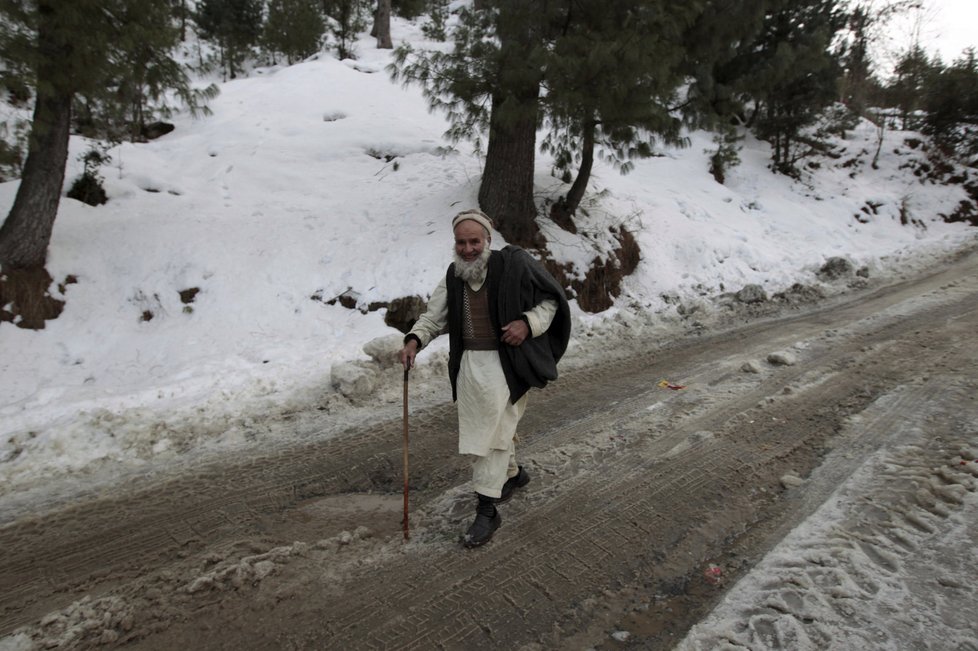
pixel 487 421
pixel 491 471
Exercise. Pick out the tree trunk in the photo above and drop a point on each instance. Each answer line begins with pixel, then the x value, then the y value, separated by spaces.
pixel 183 20
pixel 576 193
pixel 26 233
pixel 880 134
pixel 506 192
pixel 382 25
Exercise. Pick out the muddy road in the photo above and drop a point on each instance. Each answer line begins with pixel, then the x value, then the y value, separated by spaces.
pixel 636 490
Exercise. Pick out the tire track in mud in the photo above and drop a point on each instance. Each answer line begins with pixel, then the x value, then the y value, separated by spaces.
pixel 644 500
pixel 616 529
pixel 112 537
pixel 638 511
pixel 108 537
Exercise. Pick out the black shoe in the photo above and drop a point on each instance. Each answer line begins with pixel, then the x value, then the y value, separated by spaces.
pixel 487 520
pixel 521 479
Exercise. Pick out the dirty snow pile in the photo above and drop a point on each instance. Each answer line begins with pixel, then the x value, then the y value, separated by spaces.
pixel 886 562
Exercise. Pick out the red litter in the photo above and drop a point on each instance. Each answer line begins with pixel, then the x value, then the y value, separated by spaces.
pixel 713 575
pixel 665 384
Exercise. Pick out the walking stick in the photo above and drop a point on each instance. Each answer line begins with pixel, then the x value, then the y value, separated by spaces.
pixel 405 521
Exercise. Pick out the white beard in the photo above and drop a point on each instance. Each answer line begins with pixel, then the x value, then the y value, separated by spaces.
pixel 474 271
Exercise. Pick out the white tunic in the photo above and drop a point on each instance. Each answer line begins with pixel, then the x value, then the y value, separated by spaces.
pixel 487 419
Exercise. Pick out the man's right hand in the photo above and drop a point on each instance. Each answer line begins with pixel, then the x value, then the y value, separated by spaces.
pixel 408 353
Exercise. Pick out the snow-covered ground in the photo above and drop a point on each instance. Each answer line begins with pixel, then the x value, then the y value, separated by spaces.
pixel 326 178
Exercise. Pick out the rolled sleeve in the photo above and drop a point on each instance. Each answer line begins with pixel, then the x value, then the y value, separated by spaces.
pixel 433 322
pixel 540 317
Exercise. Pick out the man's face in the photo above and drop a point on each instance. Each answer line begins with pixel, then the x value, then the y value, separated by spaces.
pixel 470 240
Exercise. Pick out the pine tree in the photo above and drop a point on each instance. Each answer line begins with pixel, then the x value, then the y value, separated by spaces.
pixel 906 91
pixel 382 25
pixel 713 43
pixel 855 60
pixel 182 13
pixel 348 20
pixel 235 25
pixel 490 82
pixel 951 106
pixel 611 82
pixel 792 75
pixel 604 78
pixel 717 48
pixel 516 72
pixel 411 9
pixel 599 76
pixel 293 28
pixel 142 75
pixel 63 51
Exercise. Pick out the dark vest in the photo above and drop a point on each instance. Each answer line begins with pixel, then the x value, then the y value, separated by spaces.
pixel 456 298
pixel 515 282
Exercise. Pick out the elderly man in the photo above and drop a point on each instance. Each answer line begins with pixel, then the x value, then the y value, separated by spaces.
pixel 508 324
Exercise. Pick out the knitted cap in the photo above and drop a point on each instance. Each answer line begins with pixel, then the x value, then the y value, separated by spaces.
pixel 475 215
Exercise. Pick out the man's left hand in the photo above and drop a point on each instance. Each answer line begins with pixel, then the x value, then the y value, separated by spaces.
pixel 515 332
